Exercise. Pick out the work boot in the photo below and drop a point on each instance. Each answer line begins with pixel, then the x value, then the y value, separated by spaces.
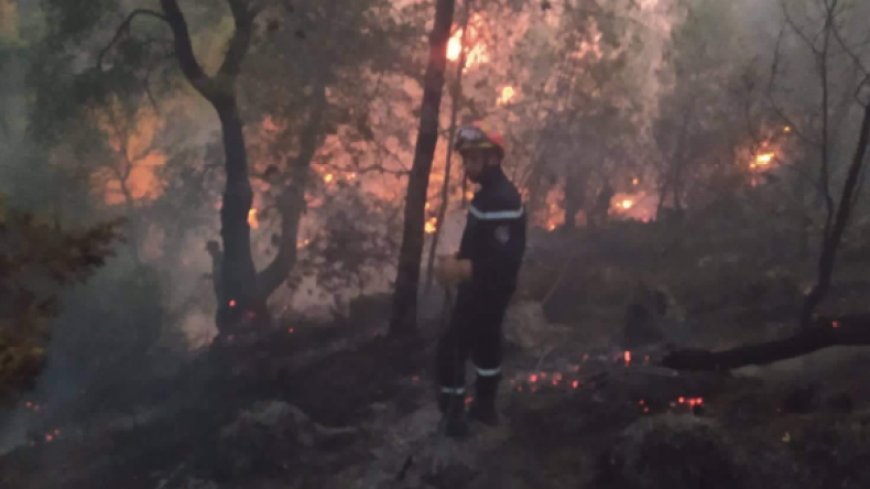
pixel 483 407
pixel 452 407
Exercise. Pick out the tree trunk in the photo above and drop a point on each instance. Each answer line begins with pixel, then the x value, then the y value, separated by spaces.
pixel 575 198
pixel 404 314
pixel 239 275
pixel 455 103
pixel 239 302
pixel 831 242
pixel 292 201
pixel 846 331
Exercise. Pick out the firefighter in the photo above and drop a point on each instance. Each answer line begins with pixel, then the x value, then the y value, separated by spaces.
pixel 485 271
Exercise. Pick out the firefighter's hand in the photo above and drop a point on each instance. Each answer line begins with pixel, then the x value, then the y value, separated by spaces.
pixel 452 271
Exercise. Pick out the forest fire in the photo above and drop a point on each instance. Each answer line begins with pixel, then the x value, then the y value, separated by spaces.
pixel 626 204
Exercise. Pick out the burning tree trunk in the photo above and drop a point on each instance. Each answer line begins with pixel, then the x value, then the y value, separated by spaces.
pixel 239 299
pixel 852 330
pixel 404 313
pixel 456 101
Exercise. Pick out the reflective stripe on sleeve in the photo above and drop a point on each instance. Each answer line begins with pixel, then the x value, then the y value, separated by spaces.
pixel 496 215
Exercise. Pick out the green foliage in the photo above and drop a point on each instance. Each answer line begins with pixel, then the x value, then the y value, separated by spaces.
pixel 37 261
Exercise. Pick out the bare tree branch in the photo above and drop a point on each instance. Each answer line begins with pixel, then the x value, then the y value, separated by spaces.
pixel 124 28
pixel 243 15
pixel 184 51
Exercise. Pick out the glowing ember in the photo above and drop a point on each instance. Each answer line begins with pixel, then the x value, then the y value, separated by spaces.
pixel 533 378
pixel 835 324
pixel 575 384
pixel 232 303
pixel 507 94
pixel 49 438
pixel 253 220
pixel 681 400
pixel 291 330
pixel 626 357
pixel 431 225
pixel 626 204
pixel 786 129
pixel 328 178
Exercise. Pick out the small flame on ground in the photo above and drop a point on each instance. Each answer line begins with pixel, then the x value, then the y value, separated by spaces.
pixel 253 220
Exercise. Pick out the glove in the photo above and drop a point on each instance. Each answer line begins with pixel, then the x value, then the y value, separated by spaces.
pixel 452 271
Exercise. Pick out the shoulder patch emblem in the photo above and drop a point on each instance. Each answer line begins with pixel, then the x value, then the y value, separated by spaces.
pixel 503 234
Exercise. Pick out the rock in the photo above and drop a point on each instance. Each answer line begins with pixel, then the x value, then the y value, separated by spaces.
pixel 652 316
pixel 801 399
pixel 526 326
pixel 270 435
pixel 677 452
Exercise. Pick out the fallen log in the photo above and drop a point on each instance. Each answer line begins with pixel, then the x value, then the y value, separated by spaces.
pixel 851 330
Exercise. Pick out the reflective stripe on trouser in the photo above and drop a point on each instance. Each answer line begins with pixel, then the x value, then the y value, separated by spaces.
pixel 456 391
pixel 487 372
pixel 475 331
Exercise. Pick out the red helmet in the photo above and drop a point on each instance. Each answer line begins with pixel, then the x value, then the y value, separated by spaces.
pixel 478 136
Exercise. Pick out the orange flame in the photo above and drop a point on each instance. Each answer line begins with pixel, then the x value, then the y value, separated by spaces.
pixel 253 220
pixel 454 46
pixel 507 94
pixel 431 225
pixel 764 159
